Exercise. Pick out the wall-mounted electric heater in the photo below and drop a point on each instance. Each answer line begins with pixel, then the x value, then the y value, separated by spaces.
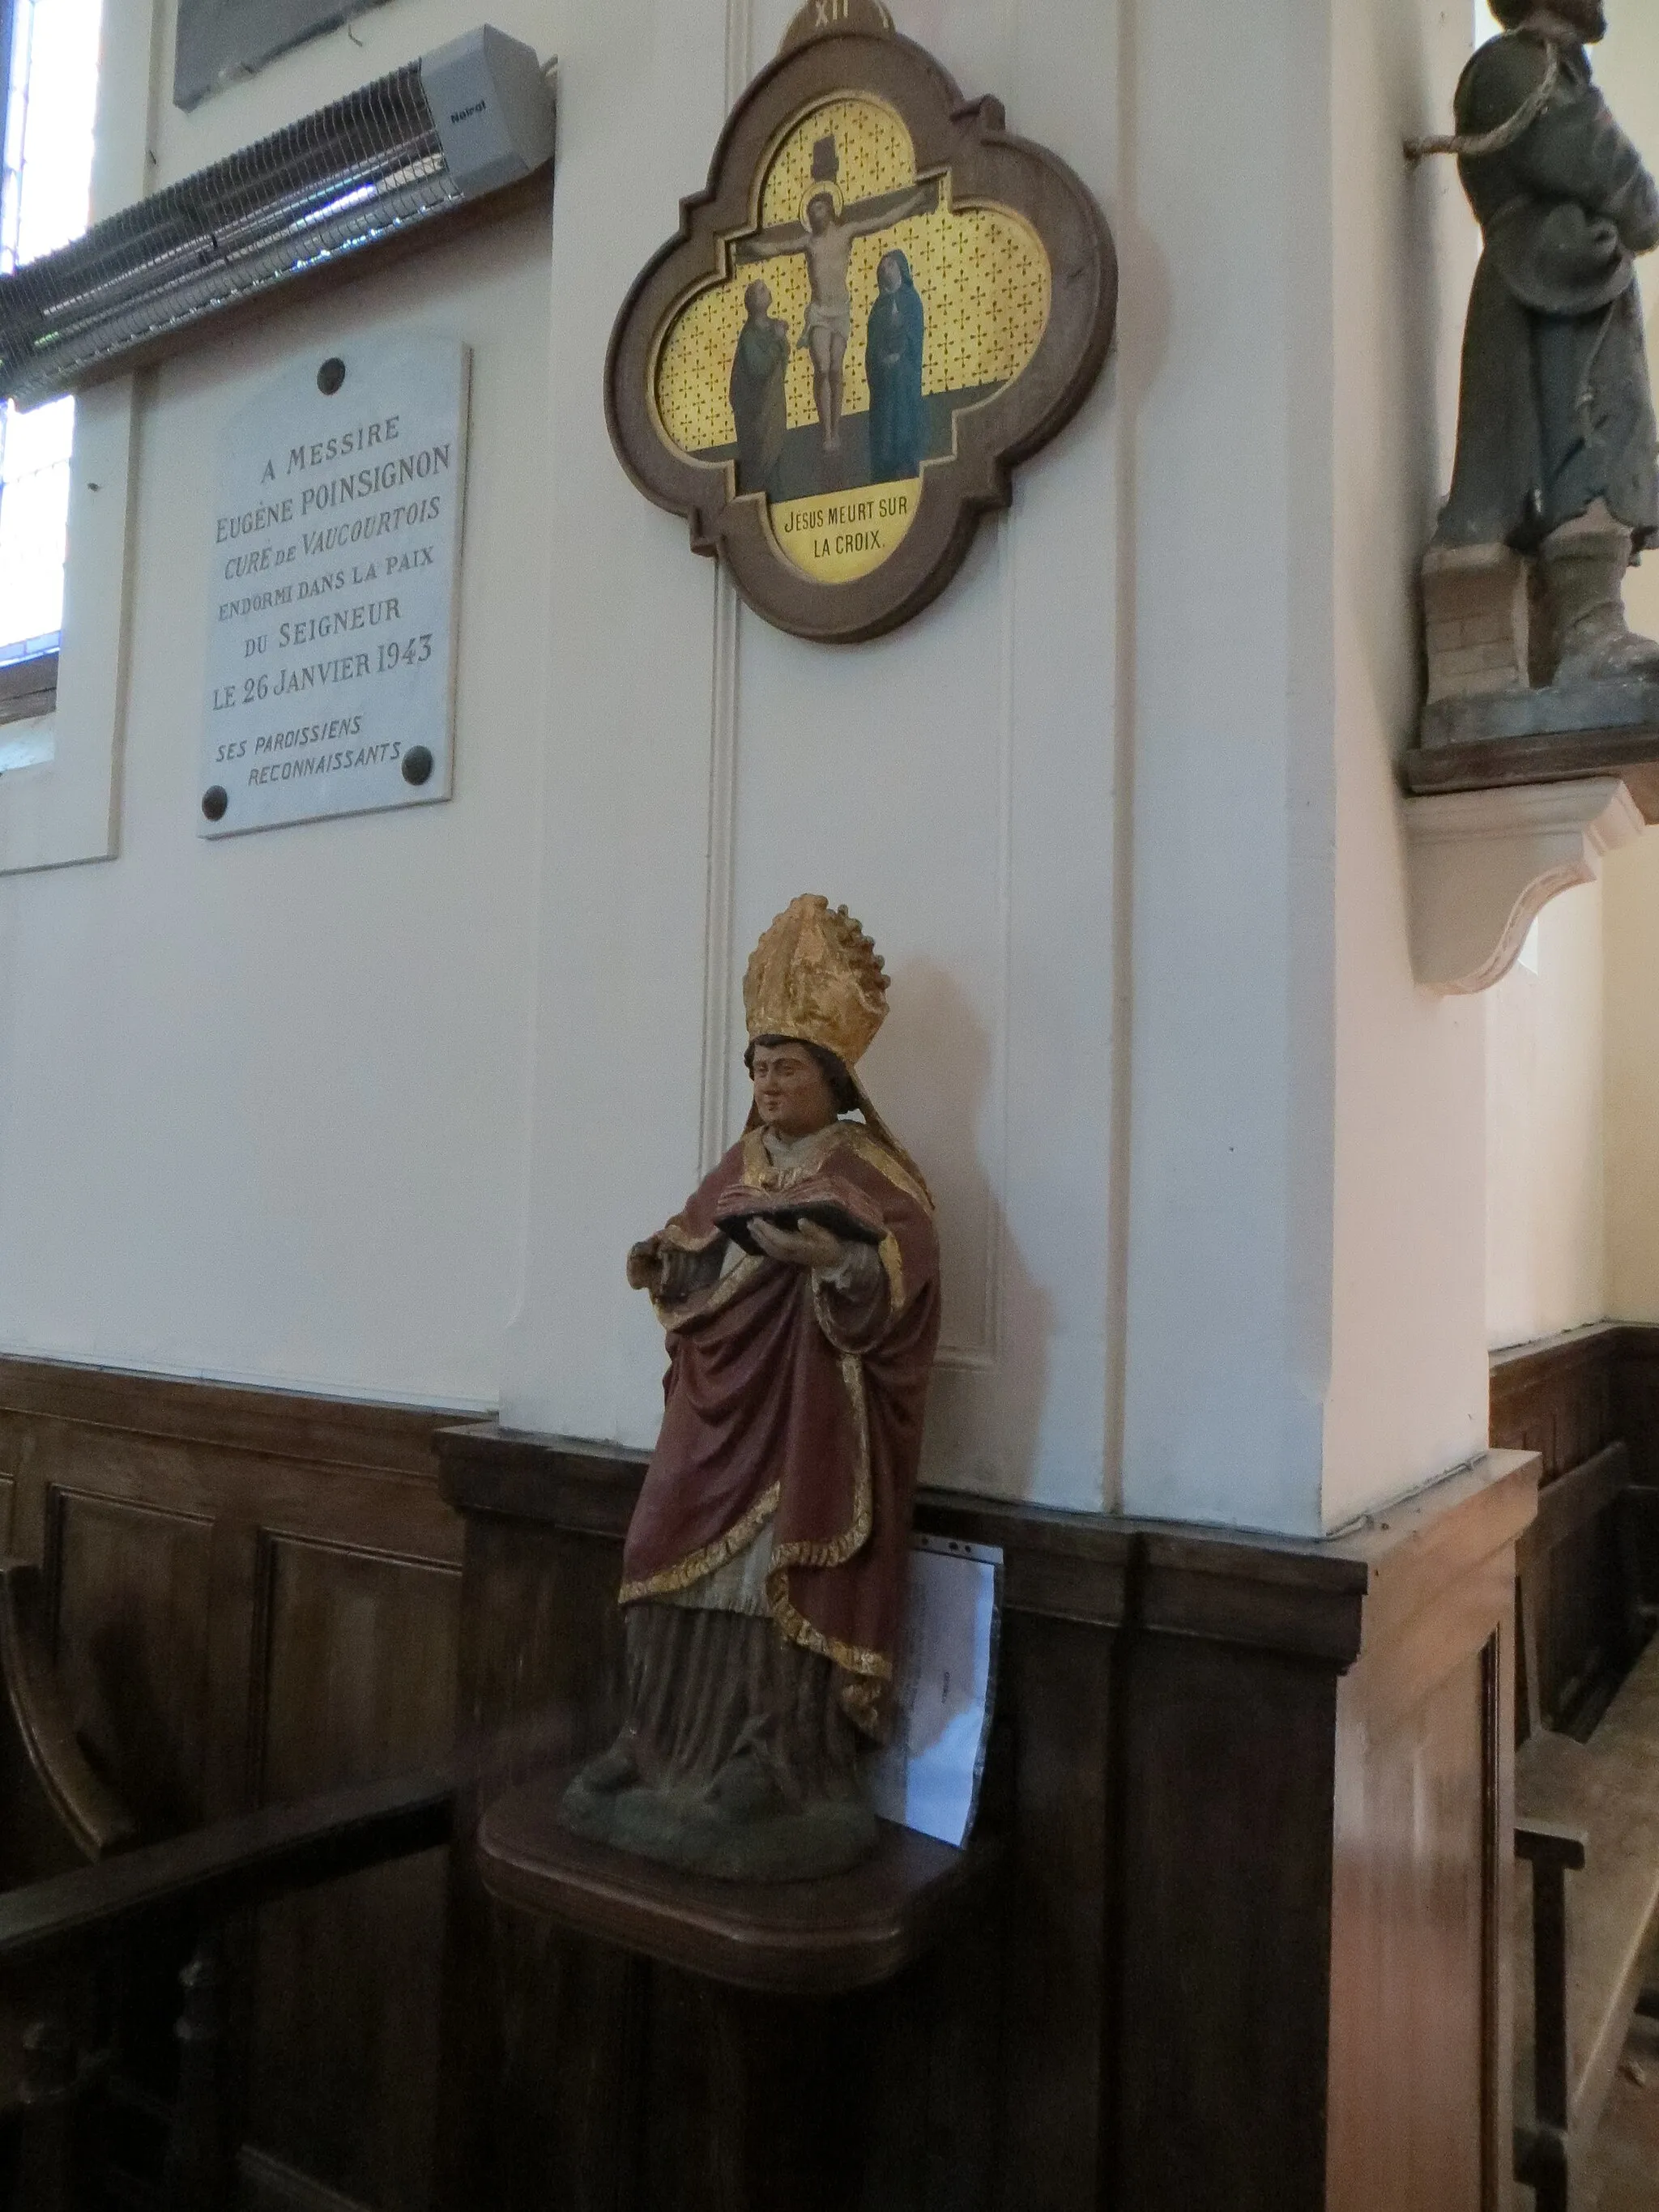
pixel 462 122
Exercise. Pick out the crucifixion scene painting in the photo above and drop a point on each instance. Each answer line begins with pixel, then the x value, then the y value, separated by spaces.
pixel 857 319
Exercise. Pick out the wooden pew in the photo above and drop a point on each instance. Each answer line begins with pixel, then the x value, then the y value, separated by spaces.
pixel 78 1890
pixel 56 1813
pixel 54 1932
pixel 1587 1827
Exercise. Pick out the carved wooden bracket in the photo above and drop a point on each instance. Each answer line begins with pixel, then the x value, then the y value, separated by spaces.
pixel 836 441
pixel 1484 864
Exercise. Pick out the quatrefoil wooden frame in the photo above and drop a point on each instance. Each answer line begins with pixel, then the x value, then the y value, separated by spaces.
pixel 987 167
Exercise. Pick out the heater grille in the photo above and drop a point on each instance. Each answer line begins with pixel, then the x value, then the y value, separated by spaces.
pixel 324 187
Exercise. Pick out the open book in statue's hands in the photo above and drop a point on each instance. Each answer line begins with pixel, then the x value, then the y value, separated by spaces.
pixel 817 1201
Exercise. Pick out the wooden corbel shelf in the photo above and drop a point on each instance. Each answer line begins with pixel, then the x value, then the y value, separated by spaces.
pixel 1483 862
pixel 805 1939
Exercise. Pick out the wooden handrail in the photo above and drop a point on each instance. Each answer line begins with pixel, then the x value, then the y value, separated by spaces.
pixel 229 1866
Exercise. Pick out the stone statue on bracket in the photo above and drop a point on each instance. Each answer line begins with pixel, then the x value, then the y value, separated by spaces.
pixel 764 1573
pixel 1555 490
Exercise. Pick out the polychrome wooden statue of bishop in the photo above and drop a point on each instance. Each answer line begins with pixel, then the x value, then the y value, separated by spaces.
pixel 764 1574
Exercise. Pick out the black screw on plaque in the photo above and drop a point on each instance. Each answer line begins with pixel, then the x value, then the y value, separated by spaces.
pixel 331 375
pixel 215 800
pixel 417 764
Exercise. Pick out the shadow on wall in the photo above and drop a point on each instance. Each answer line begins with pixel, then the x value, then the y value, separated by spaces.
pixel 945 1101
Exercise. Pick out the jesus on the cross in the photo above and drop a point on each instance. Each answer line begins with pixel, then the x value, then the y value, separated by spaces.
pixel 826 236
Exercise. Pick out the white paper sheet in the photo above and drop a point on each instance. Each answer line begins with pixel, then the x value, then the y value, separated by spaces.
pixel 928 1776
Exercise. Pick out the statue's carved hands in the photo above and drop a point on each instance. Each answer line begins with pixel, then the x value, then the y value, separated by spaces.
pixel 808 1246
pixel 648 1266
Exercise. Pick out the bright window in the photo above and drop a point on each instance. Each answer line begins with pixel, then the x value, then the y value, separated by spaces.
pixel 50 52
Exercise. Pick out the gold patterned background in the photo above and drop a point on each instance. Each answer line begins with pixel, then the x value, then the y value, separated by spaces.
pixel 982 272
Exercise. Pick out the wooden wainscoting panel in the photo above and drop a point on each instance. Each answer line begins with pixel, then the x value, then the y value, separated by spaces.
pixel 1557 1397
pixel 356 1662
pixel 1223 1920
pixel 1577 1586
pixel 256 1595
pixel 1420 1993
pixel 1636 1388
pixel 1637 1383
pixel 131 1592
pixel 1057 1693
pixel 577 2076
pixel 1147 2023
pixel 1574 1397
pixel 543 2037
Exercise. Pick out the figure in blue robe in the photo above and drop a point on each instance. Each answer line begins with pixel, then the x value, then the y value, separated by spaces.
pixel 892 360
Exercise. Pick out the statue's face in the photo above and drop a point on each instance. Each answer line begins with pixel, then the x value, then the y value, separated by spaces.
pixel 820 213
pixel 760 301
pixel 890 275
pixel 791 1095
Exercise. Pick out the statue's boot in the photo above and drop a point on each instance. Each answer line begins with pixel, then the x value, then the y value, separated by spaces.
pixel 1584 565
pixel 745 1790
pixel 615 1769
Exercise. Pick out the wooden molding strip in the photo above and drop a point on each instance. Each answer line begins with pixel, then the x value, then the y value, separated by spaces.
pixel 232 1417
pixel 1308 1600
pixel 1591 1342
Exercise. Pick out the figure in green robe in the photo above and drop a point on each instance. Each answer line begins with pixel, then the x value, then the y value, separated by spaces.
pixel 1556 445
pixel 759 405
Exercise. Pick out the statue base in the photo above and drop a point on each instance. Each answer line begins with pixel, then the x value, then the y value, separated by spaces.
pixel 736 1759
pixel 682 1828
pixel 1592 711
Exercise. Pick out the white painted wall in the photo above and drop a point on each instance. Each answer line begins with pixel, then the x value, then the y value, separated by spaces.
pixel 1629 67
pixel 326 1106
pixel 1406 1395
pixel 263 1102
pixel 1573 1077
pixel 1157 617
pixel 1226 703
pixel 1631 901
pixel 1546 1243
pixel 952 783
pixel 1289 1258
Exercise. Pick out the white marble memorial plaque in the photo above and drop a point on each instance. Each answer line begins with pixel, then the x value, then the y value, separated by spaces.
pixel 336 555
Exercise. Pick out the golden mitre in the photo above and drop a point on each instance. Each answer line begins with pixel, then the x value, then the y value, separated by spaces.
pixel 815 976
